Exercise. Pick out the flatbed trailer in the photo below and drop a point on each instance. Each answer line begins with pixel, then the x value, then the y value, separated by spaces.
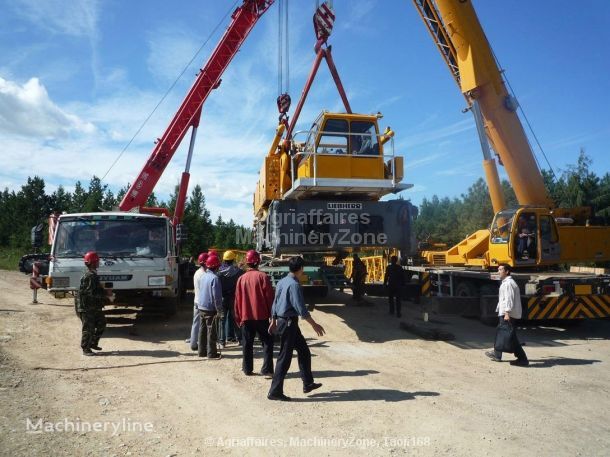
pixel 544 295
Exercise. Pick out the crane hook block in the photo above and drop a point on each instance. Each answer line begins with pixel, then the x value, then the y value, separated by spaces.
pixel 283 103
pixel 323 21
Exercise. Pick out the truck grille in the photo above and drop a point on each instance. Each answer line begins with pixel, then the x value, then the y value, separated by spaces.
pixel 60 281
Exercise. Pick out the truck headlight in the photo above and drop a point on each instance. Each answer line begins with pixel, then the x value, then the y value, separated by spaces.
pixel 156 280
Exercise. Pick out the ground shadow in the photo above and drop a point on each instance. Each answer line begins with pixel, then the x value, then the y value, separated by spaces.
pixel 148 324
pixel 334 373
pixel 471 334
pixel 59 305
pixel 371 322
pixel 560 361
pixel 388 395
pixel 112 367
pixel 157 353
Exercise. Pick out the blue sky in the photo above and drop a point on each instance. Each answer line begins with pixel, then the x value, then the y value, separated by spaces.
pixel 77 78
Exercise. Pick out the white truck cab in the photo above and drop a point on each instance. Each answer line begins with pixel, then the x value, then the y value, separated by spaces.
pixel 138 258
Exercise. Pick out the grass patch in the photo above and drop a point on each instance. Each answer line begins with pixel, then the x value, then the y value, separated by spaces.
pixel 9 258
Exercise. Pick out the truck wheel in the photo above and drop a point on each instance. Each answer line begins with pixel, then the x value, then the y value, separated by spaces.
pixel 466 289
pixel 487 314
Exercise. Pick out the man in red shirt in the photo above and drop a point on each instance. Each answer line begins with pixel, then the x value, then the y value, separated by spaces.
pixel 253 301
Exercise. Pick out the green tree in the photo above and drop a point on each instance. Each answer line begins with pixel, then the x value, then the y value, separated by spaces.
pixel 61 200
pixel 79 198
pixel 198 223
pixel 32 205
pixel 581 184
pixel 95 195
pixel 7 212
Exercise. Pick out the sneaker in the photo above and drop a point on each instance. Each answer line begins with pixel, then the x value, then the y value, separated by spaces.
pixel 96 347
pixel 88 352
pixel 492 356
pixel 248 373
pixel 194 348
pixel 267 374
pixel 520 363
pixel 313 386
pixel 222 345
pixel 187 341
pixel 214 356
pixel 278 397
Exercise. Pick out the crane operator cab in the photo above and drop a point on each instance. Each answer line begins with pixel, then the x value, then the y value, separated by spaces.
pixel 524 236
pixel 344 154
pixel 327 189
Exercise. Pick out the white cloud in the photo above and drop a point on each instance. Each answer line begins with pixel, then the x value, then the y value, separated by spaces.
pixel 360 13
pixel 28 110
pixel 468 169
pixel 70 17
pixel 170 49
pixel 435 134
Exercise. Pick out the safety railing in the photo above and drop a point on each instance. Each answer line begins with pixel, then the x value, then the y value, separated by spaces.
pixel 308 149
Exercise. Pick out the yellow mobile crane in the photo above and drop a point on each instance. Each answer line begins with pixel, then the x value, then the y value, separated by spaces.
pixel 557 235
pixel 319 190
pixel 533 237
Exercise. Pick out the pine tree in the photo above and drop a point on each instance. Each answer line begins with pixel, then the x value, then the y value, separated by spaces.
pixel 61 201
pixel 79 198
pixel 198 223
pixel 95 195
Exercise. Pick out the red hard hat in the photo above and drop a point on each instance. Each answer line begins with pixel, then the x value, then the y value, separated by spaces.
pixel 91 258
pixel 202 258
pixel 212 262
pixel 253 257
pixel 213 252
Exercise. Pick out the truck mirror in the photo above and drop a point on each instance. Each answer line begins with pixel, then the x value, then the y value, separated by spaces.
pixel 181 235
pixel 36 235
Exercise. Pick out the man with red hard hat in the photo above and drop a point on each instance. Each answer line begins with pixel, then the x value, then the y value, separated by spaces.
pixel 196 322
pixel 253 300
pixel 209 305
pixel 89 303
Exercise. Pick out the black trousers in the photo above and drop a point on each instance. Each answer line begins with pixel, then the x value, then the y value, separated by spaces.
pixel 291 338
pixel 208 334
pixel 519 352
pixel 249 331
pixel 394 299
pixel 358 290
pixel 93 326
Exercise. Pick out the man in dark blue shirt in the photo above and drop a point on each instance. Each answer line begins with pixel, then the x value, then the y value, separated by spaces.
pixel 288 305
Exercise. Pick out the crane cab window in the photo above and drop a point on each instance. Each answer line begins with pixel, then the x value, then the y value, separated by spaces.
pixel 548 230
pixel 333 139
pixel 501 226
pixel 363 138
pixel 525 236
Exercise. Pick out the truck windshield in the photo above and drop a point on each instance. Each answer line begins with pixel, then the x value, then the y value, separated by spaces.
pixel 501 226
pixel 145 237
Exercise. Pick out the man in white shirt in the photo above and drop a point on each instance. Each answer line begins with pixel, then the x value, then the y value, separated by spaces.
pixel 196 279
pixel 509 309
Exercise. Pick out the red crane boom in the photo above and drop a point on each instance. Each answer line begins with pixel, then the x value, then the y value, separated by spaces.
pixel 243 20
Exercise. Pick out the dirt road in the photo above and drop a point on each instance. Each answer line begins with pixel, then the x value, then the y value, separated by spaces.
pixel 385 392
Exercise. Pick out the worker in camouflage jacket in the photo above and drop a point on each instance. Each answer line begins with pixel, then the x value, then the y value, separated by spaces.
pixel 89 303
